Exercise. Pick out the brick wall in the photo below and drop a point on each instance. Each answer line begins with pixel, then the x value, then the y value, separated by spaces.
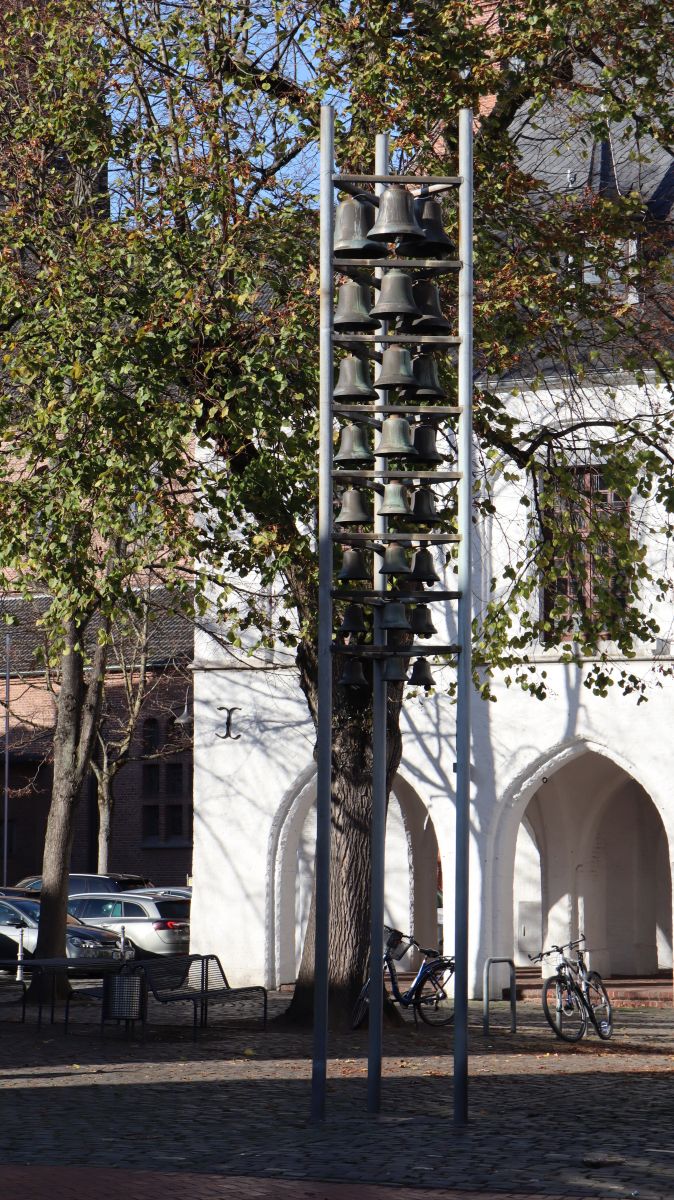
pixel 152 818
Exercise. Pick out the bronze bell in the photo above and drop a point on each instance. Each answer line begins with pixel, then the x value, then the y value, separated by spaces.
pixel 395 617
pixel 354 379
pixel 354 510
pixel 436 244
pixel 353 220
pixel 396 298
pixel 396 440
pixel 395 503
pixel 396 370
pixel 425 371
pixel 427 298
pixel 353 621
pixel 353 446
pixel 394 562
pixel 423 567
pixel 353 675
pixel 353 566
pixel 423 507
pixel 396 217
pixel 424 443
pixel 422 621
pixel 421 674
pixel 395 670
pixel 353 305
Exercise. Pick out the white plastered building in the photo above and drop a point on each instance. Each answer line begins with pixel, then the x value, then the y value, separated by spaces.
pixel 572 826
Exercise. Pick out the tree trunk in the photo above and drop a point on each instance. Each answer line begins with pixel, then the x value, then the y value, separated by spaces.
pixel 77 715
pixel 350 848
pixel 105 806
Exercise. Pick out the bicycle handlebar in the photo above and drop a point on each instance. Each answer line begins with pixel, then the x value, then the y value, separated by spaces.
pixel 427 952
pixel 534 958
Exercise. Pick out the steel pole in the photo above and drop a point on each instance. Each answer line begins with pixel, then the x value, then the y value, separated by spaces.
pixel 6 809
pixel 379 755
pixel 464 676
pixel 5 815
pixel 324 754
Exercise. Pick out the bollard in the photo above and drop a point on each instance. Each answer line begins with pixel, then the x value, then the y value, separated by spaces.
pixel 123 941
pixel 19 959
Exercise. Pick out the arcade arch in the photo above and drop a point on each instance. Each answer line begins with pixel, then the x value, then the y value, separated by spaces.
pixel 411 873
pixel 592 856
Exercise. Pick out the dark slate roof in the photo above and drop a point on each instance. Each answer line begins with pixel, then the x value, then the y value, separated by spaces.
pixel 171 632
pixel 568 158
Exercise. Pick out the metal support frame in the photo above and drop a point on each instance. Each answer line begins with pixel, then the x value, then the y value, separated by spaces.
pixel 5 814
pixel 379 752
pixel 485 994
pixel 464 673
pixel 324 752
pixel 378 652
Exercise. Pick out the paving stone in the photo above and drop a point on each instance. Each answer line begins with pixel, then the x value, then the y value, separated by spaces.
pixel 546 1119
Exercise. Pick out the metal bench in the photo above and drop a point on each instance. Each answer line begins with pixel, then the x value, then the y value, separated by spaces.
pixel 196 978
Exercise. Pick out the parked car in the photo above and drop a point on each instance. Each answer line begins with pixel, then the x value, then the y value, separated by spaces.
pixel 153 924
pixel 112 882
pixel 17 893
pixel 82 941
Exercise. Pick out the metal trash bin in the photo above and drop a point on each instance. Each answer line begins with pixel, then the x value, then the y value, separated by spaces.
pixel 123 997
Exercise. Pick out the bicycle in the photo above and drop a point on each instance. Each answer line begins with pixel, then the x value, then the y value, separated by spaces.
pixel 575 995
pixel 429 993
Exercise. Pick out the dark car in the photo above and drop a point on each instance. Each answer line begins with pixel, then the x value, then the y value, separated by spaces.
pixel 111 882
pixel 83 943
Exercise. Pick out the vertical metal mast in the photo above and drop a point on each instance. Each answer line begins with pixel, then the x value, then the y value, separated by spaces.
pixel 5 828
pixel 324 766
pixel 464 679
pixel 379 757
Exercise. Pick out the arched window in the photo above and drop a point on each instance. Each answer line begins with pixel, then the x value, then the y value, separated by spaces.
pixel 150 735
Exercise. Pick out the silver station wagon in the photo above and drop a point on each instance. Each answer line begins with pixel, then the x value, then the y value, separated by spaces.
pixel 152 924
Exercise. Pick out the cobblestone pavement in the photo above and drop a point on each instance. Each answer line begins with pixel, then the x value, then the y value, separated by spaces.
pixel 228 1116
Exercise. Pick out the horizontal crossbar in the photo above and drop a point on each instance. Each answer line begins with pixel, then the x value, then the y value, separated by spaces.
pixel 422 410
pixel 359 596
pixel 439 266
pixel 427 339
pixel 354 539
pixel 438 476
pixel 414 651
pixel 444 180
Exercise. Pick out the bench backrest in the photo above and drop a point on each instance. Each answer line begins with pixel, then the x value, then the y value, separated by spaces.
pixel 185 973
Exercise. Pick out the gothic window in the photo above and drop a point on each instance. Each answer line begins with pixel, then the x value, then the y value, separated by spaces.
pixel 584 577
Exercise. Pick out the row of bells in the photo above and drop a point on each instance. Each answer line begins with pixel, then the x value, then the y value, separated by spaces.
pixel 395 671
pixel 394 616
pixel 397 439
pixel 400 299
pixel 398 370
pixel 355 510
pixel 414 223
pixel 394 563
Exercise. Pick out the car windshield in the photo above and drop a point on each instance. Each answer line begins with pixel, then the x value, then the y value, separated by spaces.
pixel 174 908
pixel 31 908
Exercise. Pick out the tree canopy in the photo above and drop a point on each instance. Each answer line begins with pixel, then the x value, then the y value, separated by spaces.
pixel 157 169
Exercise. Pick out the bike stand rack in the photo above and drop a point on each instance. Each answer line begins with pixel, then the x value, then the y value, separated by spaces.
pixel 485 994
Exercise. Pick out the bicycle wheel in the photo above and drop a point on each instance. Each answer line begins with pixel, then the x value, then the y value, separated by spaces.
pixel 564 1009
pixel 433 999
pixel 361 1007
pixel 600 1005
